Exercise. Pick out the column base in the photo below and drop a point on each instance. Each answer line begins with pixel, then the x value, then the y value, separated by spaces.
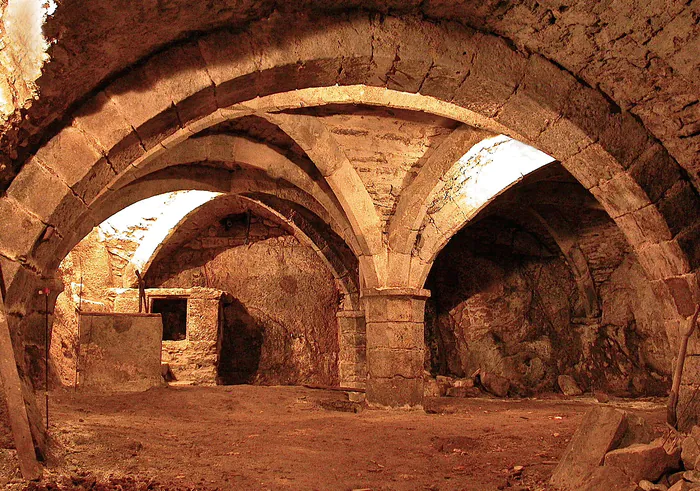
pixel 395 392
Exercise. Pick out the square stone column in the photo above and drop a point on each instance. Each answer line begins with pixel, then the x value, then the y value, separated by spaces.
pixel 395 345
pixel 352 353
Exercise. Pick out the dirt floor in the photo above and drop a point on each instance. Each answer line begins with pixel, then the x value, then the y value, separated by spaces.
pixel 277 438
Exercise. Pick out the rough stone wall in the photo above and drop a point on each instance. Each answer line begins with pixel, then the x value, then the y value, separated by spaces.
pixel 285 298
pixel 506 303
pixel 631 326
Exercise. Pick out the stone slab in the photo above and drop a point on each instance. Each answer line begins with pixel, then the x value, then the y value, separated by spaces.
pixel 644 461
pixel 120 352
pixel 601 430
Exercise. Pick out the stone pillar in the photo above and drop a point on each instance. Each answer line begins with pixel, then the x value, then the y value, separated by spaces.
pixel 395 345
pixel 352 352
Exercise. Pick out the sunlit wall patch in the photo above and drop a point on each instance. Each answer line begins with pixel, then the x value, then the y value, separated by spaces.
pixel 151 220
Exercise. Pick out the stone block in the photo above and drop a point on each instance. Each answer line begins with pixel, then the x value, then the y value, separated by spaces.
pixel 202 319
pixel 463 392
pixel 688 404
pixel 100 119
pixel 568 385
pixel 431 388
pixel 562 140
pixel 489 84
pixel 655 172
pixel 663 260
pixel 388 363
pixel 402 335
pixel 452 60
pixel 680 206
pixel 135 99
pixel 126 300
pixel 406 71
pixel 95 181
pixel 644 461
pixel 624 137
pixel 35 177
pixel 601 430
pixel 179 72
pixel 393 307
pixel 690 448
pixel 588 109
pixel 69 154
pixel 120 352
pixel 644 225
pixel 620 195
pixel 592 166
pixel 395 392
pixel 638 431
pixel 227 55
pixel 542 95
pixel 495 384
pixel 689 242
pixel 609 479
pixel 158 128
pixel 26 229
pixel 683 485
pixel 685 292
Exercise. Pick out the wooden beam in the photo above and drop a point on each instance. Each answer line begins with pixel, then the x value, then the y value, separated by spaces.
pixel 16 408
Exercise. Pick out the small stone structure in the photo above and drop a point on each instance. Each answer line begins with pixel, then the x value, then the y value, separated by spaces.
pixel 194 358
pixel 119 351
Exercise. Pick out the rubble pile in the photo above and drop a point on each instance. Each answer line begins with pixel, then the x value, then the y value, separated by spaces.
pixel 618 451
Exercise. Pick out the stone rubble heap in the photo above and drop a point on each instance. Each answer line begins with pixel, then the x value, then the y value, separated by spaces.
pixel 473 386
pixel 618 451
pixel 482 381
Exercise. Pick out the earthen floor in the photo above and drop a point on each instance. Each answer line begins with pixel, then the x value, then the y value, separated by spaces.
pixel 276 438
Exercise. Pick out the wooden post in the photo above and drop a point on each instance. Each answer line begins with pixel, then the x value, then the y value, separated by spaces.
pixel 672 409
pixel 16 408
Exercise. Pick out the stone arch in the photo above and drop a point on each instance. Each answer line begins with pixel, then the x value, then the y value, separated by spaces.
pixel 559 230
pixel 328 255
pixel 463 190
pixel 237 150
pixel 445 68
pixel 343 179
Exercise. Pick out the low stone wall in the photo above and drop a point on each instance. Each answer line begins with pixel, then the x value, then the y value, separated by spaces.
pixel 195 358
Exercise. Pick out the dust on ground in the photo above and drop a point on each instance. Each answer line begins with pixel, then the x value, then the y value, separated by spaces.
pixel 277 438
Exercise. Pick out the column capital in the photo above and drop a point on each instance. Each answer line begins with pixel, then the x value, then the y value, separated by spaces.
pixel 417 293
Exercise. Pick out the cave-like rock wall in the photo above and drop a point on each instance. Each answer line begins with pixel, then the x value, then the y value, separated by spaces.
pixel 505 302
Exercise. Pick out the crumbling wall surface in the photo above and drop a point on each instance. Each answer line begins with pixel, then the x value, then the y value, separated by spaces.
pixel 285 302
pixel 511 307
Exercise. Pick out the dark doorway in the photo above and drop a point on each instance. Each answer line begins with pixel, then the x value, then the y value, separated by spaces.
pixel 174 314
pixel 241 344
